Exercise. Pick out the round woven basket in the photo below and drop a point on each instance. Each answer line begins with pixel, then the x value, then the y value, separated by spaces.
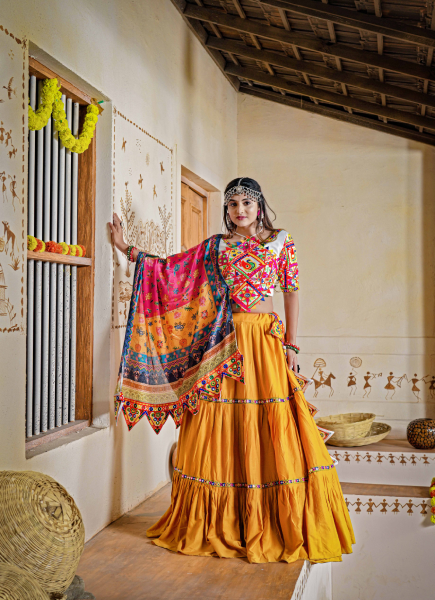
pixel 347 425
pixel 16 584
pixel 41 529
pixel 378 432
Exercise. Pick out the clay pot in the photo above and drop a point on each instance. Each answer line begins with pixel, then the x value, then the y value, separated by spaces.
pixel 421 434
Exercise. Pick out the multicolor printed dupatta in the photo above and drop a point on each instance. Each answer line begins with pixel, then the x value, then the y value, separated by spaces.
pixel 180 338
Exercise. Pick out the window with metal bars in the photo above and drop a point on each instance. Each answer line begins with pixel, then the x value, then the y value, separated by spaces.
pixel 61 208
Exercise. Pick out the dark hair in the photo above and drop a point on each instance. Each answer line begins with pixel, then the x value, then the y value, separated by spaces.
pixel 262 205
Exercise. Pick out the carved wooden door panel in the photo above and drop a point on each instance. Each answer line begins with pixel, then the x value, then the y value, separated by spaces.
pixel 193 217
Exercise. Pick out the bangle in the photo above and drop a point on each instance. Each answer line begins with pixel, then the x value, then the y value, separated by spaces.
pixel 130 250
pixel 293 347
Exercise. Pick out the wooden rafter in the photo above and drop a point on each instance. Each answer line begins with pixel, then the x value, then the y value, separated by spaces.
pixel 201 34
pixel 337 99
pixel 361 79
pixel 364 83
pixel 340 115
pixel 309 43
pixel 350 18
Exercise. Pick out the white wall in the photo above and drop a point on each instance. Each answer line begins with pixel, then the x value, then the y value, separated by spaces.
pixel 392 556
pixel 360 207
pixel 143 59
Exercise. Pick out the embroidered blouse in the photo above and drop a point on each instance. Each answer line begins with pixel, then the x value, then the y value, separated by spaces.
pixel 252 268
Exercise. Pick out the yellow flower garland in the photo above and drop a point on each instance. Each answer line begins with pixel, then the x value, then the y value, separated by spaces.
pixel 51 104
pixel 49 94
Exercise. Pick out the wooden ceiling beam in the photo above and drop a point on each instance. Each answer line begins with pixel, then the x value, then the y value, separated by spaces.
pixel 199 31
pixel 355 19
pixel 338 99
pixel 315 70
pixel 192 12
pixel 340 115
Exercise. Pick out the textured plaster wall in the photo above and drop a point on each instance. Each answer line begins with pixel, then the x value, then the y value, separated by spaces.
pixel 143 59
pixel 360 206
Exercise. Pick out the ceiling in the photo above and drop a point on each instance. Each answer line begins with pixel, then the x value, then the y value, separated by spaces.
pixel 369 63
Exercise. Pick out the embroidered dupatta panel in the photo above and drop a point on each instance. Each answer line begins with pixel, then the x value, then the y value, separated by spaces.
pixel 180 338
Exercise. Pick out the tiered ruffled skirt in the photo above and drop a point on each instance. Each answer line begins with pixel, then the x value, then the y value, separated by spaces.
pixel 253 477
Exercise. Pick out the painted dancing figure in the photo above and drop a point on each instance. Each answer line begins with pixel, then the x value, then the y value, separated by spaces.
pixel 416 390
pixel 12 186
pixel 390 387
pixel 351 383
pixel 3 178
pixel 367 385
pixel 252 476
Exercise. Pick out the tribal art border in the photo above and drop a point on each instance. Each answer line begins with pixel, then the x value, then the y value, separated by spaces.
pixel 392 459
pixel 383 507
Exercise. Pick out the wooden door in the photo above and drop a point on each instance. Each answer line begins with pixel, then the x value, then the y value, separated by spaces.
pixel 193 216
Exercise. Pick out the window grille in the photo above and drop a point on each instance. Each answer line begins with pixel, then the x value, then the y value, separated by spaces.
pixel 52 288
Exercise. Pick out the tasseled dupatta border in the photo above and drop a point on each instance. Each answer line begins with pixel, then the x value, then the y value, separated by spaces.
pixel 180 338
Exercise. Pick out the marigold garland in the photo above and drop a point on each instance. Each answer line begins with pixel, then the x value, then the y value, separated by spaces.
pixel 31 242
pixel 65 248
pixel 49 94
pixel 36 245
pixel 53 247
pixel 51 104
pixel 432 499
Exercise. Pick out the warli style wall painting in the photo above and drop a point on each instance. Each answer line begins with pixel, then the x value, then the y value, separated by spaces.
pixel 368 381
pixel 143 198
pixel 13 148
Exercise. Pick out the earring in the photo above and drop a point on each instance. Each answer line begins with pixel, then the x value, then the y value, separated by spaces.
pixel 260 224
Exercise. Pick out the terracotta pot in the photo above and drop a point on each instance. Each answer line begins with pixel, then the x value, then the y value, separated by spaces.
pixel 421 434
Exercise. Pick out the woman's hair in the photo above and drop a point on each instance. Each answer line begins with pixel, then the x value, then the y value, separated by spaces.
pixel 263 206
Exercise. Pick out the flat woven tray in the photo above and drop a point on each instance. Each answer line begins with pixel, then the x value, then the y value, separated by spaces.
pixel 348 425
pixel 377 433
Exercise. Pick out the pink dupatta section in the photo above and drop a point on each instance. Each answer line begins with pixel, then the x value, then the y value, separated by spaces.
pixel 180 338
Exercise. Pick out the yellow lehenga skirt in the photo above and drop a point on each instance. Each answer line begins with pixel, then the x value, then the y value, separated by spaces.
pixel 249 480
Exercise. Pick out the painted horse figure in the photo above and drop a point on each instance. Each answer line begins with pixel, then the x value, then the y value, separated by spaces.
pixel 10 237
pixel 318 383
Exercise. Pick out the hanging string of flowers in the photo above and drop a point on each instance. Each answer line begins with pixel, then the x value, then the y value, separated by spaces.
pixel 51 104
pixel 36 245
pixel 49 94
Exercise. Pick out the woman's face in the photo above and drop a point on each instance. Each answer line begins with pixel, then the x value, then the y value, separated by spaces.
pixel 242 211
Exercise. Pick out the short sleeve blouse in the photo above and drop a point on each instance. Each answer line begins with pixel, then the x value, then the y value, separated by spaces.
pixel 252 268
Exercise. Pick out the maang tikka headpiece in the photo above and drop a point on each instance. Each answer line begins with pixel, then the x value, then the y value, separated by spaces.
pixel 241 189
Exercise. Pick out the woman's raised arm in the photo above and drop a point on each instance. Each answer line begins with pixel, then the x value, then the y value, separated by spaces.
pixel 118 237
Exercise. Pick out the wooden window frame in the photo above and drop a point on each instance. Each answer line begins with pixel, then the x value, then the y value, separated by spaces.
pixel 85 274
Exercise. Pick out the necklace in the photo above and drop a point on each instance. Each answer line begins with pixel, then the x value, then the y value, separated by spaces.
pixel 246 237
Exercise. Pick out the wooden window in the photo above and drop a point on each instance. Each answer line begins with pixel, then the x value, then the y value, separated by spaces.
pixel 194 227
pixel 60 301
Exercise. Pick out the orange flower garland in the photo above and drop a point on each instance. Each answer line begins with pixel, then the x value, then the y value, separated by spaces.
pixel 36 245
pixel 53 247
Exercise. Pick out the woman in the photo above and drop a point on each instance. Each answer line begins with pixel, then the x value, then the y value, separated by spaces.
pixel 253 477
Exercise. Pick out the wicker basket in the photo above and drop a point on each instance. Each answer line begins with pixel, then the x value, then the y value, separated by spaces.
pixel 41 529
pixel 378 432
pixel 348 425
pixel 16 584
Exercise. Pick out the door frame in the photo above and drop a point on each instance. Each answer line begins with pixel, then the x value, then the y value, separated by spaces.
pixel 206 198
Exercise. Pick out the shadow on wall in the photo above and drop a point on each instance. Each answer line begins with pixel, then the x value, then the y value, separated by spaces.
pixel 426 160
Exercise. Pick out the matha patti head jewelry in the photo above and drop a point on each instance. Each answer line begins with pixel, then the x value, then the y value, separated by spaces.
pixel 241 189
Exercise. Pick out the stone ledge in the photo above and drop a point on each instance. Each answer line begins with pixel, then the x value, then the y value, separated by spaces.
pixel 373 489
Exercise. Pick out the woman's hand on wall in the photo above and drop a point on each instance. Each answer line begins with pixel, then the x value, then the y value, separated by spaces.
pixel 117 234
pixel 292 360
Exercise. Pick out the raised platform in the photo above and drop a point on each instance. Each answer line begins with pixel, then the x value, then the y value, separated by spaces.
pixel 121 563
pixel 391 462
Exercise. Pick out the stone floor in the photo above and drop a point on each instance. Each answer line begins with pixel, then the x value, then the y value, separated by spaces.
pixel 121 563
